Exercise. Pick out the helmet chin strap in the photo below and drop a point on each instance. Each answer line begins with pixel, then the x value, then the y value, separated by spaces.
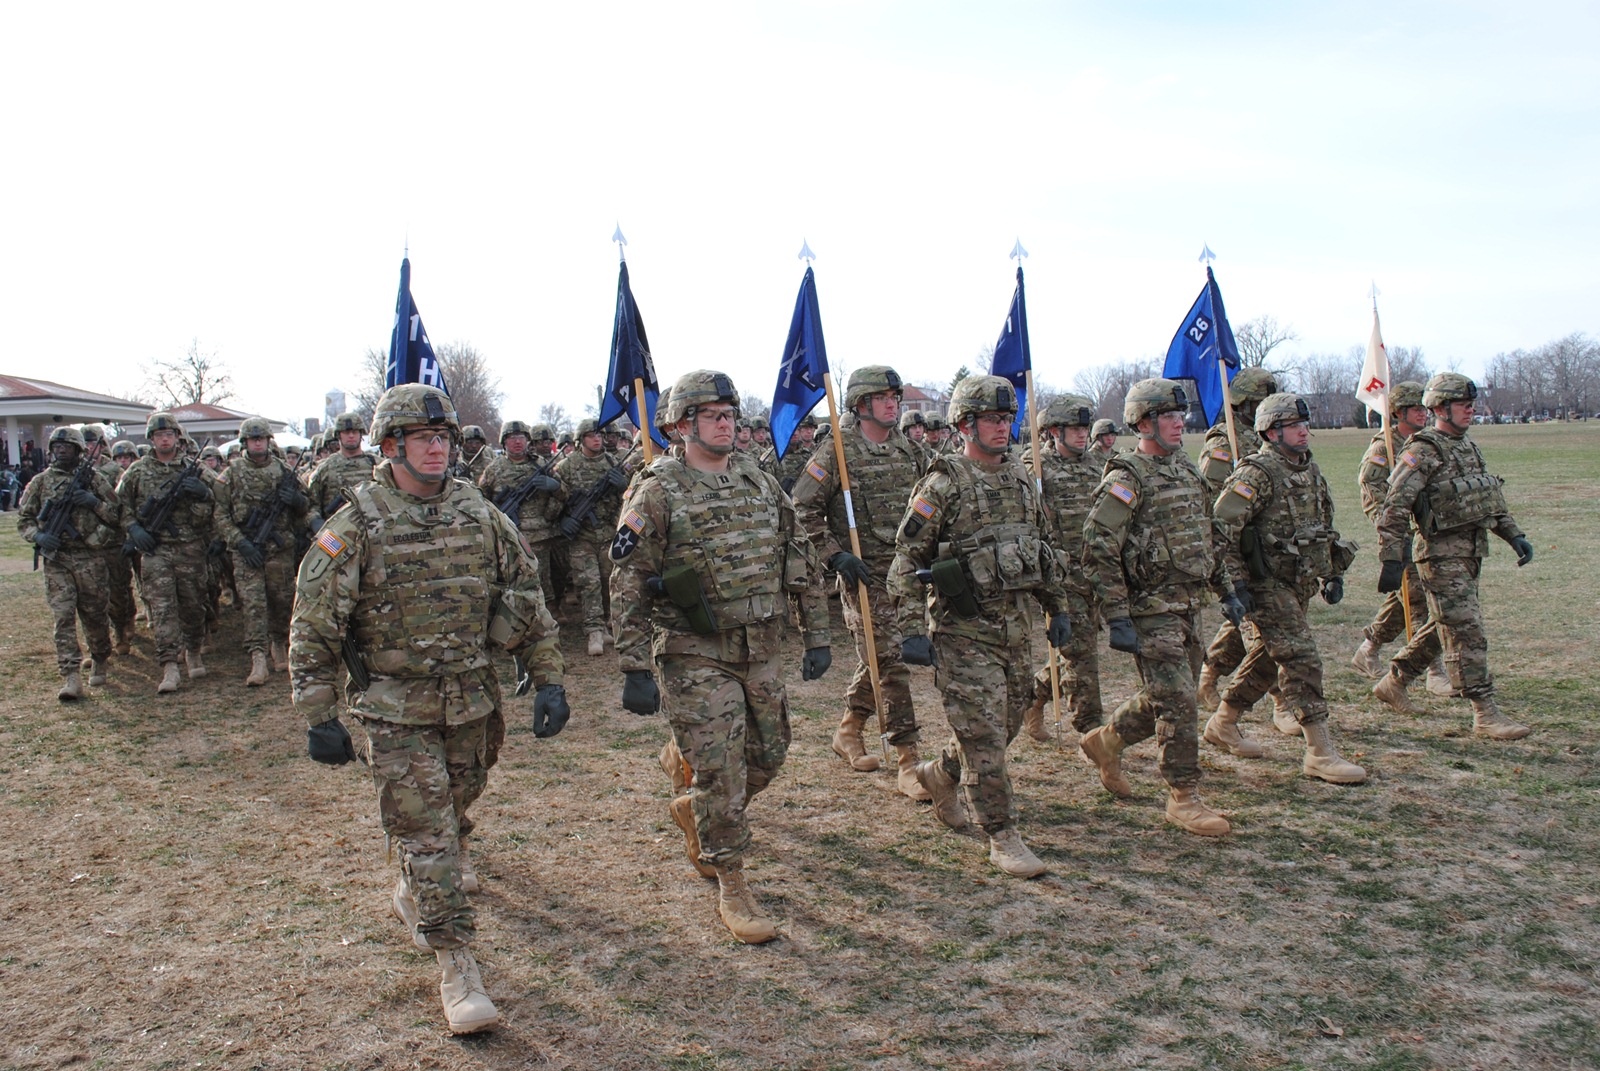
pixel 889 425
pixel 405 463
pixel 694 437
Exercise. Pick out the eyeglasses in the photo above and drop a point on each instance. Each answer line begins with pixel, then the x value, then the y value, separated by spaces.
pixel 427 436
pixel 718 416
pixel 995 420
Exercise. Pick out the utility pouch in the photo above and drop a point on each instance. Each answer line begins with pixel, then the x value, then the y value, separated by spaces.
pixel 1253 553
pixel 1423 512
pixel 352 662
pixel 682 586
pixel 951 581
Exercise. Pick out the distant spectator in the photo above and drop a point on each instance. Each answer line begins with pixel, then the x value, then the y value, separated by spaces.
pixel 10 489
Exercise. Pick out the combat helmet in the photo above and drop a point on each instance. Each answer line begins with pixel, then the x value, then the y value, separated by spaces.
pixel 1252 385
pixel 542 433
pixel 350 422
pixel 209 451
pixel 1447 387
pixel 760 424
pixel 143 450
pixel 697 388
pixel 1104 427
pixel 1068 411
pixel 913 418
pixel 935 422
pixel 588 426
pixel 663 405
pixel 255 428
pixel 1276 410
pixel 469 432
pixel 1152 397
pixel 807 421
pixel 870 379
pixel 94 433
pixel 564 439
pixel 514 427
pixel 123 448
pixel 69 435
pixel 412 405
pixel 981 394
pixel 1404 395
pixel 161 420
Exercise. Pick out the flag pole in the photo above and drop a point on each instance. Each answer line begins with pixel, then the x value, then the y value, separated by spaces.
pixel 638 381
pixel 1388 444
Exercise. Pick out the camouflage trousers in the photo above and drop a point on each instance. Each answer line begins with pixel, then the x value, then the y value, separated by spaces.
pixel 75 588
pixel 900 718
pixel 266 597
pixel 986 690
pixel 1391 619
pixel 426 778
pixel 1280 653
pixel 588 571
pixel 1079 671
pixel 1169 659
pixel 544 552
pixel 175 590
pixel 731 722
pixel 119 595
pixel 1227 648
pixel 1455 625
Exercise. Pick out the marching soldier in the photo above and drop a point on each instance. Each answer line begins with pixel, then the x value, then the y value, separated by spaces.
pixel 408 588
pixel 707 554
pixel 593 481
pixel 883 466
pixel 475 455
pixel 974 523
pixel 1148 553
pixel 1103 441
pixel 73 552
pixel 1274 524
pixel 346 468
pixel 119 572
pixel 1443 502
pixel 527 470
pixel 801 443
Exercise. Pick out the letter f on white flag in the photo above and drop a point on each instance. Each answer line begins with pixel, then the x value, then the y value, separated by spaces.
pixel 1373 387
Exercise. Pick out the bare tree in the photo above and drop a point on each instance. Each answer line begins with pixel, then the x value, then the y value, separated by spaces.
pixel 1259 337
pixel 984 359
pixel 1405 363
pixel 369 378
pixel 555 414
pixel 1327 382
pixel 196 378
pixel 1107 384
pixel 474 388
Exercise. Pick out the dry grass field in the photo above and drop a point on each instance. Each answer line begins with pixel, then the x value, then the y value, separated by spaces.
pixel 181 887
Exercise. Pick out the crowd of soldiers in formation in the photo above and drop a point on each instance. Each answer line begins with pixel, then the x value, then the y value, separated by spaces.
pixel 942 541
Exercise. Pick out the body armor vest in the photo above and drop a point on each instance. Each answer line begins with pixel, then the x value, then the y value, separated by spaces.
pixel 880 481
pixel 995 531
pixel 1297 538
pixel 1461 493
pixel 1169 542
pixel 726 527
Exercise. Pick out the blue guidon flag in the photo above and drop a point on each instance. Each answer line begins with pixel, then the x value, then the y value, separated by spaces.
pixel 802 367
pixel 1204 339
pixel 411 357
pixel 1013 358
pixel 630 361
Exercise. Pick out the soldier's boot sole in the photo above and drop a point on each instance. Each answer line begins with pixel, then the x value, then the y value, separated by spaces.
pixel 467 1007
pixel 1487 721
pixel 1103 749
pixel 1185 810
pixel 1392 691
pixel 1367 661
pixel 682 811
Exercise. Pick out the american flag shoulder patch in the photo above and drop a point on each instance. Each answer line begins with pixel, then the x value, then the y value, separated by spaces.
pixel 634 521
pixel 816 471
pixel 1124 492
pixel 1244 491
pixel 1380 459
pixel 923 506
pixel 1221 455
pixel 1409 459
pixel 332 544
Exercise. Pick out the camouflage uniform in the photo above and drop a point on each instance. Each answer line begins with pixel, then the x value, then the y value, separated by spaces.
pixel 471 468
pixel 75 575
pixel 333 480
pixel 174 575
pixel 588 560
pixel 119 570
pixel 1391 618
pixel 1216 464
pixel 246 491
pixel 541 511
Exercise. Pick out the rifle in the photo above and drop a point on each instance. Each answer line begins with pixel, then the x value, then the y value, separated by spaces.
pixel 155 516
pixel 510 501
pixel 582 508
pixel 260 525
pixel 56 516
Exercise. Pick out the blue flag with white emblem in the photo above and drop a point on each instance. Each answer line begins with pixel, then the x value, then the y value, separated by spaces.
pixel 631 365
pixel 804 363
pixel 1012 357
pixel 411 358
pixel 1203 339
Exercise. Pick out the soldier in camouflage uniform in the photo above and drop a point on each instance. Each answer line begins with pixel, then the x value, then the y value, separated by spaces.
pixel 1407 417
pixel 1070 478
pixel 801 443
pixel 529 449
pixel 172 562
pixel 119 571
pixel 883 466
pixel 1217 463
pixel 975 522
pixel 1443 503
pixel 707 554
pixel 74 560
pixel 408 588
pixel 761 433
pixel 1148 552
pixel 1274 525
pixel 1103 441
pixel 590 470
pixel 340 473
pixel 914 426
pixel 475 455
pixel 254 486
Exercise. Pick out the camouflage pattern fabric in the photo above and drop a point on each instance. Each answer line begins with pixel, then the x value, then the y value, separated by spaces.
pixel 333 480
pixel 175 575
pixel 1455 626
pixel 1164 706
pixel 266 595
pixel 1216 464
pixel 1390 620
pixel 588 553
pixel 539 514
pixel 119 571
pixel 75 579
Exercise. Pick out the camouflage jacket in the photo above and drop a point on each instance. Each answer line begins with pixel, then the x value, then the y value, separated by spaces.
pixel 1374 475
pixel 1216 455
pixel 579 474
pixel 242 489
pixel 881 478
pixel 334 478
pixel 97 526
pixel 541 509
pixel 472 470
pixel 1285 500
pixel 423 587
pixel 1441 490
pixel 1069 485
pixel 149 478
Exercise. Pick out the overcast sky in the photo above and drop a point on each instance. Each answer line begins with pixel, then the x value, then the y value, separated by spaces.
pixel 250 175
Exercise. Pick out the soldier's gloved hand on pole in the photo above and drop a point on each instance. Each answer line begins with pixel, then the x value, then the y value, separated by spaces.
pixel 1332 590
pixel 617 477
pixel 570 527
pixel 917 651
pixel 194 487
pixel 852 568
pixel 815 663
pixel 1241 592
pixel 329 743
pixel 85 498
pixel 1060 631
pixel 1233 609
pixel 639 692
pixel 1389 578
pixel 1123 636
pixel 47 542
pixel 1524 550
pixel 141 539
pixel 250 553
pixel 550 710
pixel 546 484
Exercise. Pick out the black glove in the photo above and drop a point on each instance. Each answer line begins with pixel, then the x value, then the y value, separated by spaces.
pixel 639 692
pixel 1241 591
pixel 85 498
pixel 1233 609
pixel 47 542
pixel 194 487
pixel 617 477
pixel 1332 590
pixel 546 484
pixel 315 525
pixel 917 651
pixel 787 483
pixel 815 663
pixel 250 553
pixel 1389 579
pixel 1123 636
pixel 1524 550
pixel 290 496
pixel 141 539
pixel 550 710
pixel 570 527
pixel 1060 630
pixel 852 568
pixel 329 743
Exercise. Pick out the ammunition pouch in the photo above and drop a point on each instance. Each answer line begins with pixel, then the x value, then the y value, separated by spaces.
pixel 1463 502
pixel 682 586
pixel 1304 556
pixel 1254 555
pixel 951 581
pixel 1004 558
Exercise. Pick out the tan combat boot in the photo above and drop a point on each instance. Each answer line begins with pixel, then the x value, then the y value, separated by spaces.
pixel 941 788
pixel 1222 730
pixel 97 672
pixel 1392 690
pixel 1185 809
pixel 1367 661
pixel 280 657
pixel 848 746
pixel 682 811
pixel 1488 721
pixel 169 678
pixel 197 668
pixel 1323 759
pixel 738 908
pixel 1103 747
pixel 71 687
pixel 597 642
pixel 467 1007
pixel 906 776
pixel 1439 680
pixel 1284 718
pixel 469 873
pixel 675 767
pixel 258 669
pixel 1007 852
pixel 1206 694
pixel 120 642
pixel 405 909
pixel 1033 720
